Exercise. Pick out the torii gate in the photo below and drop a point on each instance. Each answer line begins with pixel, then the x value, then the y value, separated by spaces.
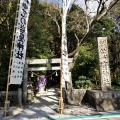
pixel 39 61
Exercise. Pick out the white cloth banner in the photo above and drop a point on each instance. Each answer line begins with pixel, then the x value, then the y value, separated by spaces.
pixel 20 43
pixel 65 69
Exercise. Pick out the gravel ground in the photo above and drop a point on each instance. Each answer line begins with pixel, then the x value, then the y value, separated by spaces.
pixel 79 110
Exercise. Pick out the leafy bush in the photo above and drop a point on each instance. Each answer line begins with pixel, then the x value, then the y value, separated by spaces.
pixel 116 81
pixel 83 82
pixel 116 87
pixel 3 78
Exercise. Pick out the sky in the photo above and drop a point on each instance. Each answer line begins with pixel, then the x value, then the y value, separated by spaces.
pixel 93 4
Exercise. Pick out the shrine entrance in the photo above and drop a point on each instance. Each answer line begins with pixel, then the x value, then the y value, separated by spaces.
pixel 31 69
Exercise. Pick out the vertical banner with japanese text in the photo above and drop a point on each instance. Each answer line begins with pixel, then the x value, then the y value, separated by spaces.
pixel 20 43
pixel 64 51
pixel 65 68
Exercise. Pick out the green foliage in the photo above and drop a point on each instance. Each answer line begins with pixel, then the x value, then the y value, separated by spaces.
pixel 75 25
pixel 116 81
pixel 115 87
pixel 41 30
pixel 103 27
pixel 114 49
pixel 3 78
pixel 83 83
pixel 7 18
pixel 86 64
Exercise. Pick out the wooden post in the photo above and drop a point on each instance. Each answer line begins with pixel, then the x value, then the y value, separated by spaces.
pixel 61 95
pixel 6 107
pixel 6 110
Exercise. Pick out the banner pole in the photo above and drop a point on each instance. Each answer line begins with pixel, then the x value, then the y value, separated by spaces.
pixel 6 107
pixel 61 96
pixel 61 79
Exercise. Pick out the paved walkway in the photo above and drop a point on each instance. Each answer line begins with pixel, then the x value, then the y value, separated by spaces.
pixel 46 107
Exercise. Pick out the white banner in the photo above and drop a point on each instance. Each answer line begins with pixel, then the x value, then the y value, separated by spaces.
pixel 65 69
pixel 20 43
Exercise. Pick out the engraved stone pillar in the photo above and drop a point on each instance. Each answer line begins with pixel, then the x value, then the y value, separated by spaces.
pixel 104 63
pixel 19 97
pixel 68 84
pixel 25 84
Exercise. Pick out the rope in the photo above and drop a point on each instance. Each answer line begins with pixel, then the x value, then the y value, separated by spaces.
pixel 47 75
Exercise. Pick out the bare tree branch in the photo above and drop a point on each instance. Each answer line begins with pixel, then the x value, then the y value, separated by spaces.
pixel 87 21
pixel 53 18
pixel 114 2
pixel 99 5
pixel 72 53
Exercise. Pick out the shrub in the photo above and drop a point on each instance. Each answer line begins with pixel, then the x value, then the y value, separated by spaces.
pixel 83 82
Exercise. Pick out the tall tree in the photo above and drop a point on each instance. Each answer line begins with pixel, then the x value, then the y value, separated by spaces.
pixel 101 10
pixel 7 18
pixel 40 33
pixel 114 15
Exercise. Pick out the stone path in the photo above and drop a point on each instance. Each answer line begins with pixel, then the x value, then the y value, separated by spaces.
pixel 46 107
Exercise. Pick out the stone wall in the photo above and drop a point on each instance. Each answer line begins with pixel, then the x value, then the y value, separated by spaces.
pixel 75 96
pixel 12 96
pixel 104 100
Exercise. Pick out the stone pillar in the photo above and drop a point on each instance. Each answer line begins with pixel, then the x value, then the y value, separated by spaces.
pixel 104 63
pixel 19 97
pixel 68 84
pixel 25 84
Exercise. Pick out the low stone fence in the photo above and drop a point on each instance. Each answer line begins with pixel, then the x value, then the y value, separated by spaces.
pixel 13 96
pixel 104 100
pixel 100 100
pixel 75 96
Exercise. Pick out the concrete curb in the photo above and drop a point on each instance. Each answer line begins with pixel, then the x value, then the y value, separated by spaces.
pixel 100 116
